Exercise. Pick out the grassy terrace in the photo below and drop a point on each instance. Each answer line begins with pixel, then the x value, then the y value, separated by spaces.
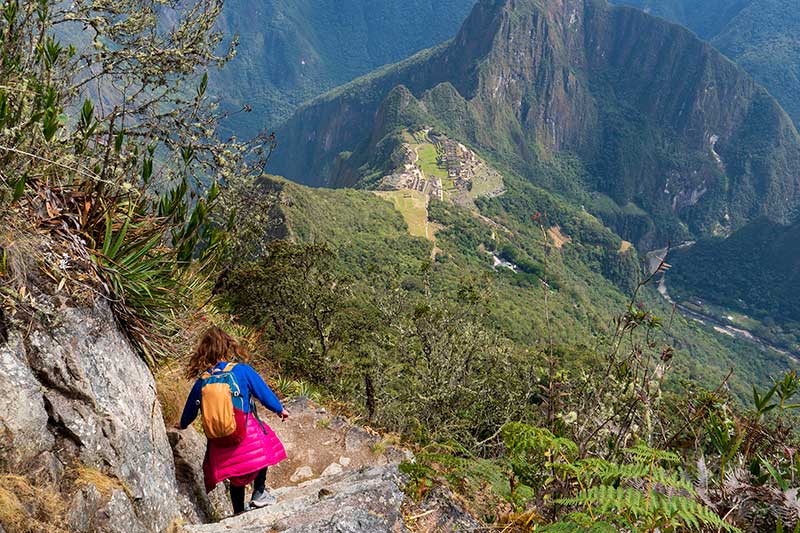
pixel 413 206
pixel 427 161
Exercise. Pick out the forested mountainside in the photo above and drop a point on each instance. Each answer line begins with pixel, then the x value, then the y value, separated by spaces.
pixel 292 50
pixel 755 273
pixel 760 35
pixel 667 138
pixel 466 314
pixel 497 262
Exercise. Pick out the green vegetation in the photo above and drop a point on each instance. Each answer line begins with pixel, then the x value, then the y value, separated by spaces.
pixel 697 474
pixel 754 271
pixel 111 200
pixel 599 419
pixel 614 158
pixel 760 35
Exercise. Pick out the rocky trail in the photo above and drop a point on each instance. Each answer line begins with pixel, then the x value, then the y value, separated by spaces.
pixel 338 477
pixel 85 449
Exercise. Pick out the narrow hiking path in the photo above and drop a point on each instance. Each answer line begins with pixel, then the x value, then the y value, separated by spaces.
pixel 338 477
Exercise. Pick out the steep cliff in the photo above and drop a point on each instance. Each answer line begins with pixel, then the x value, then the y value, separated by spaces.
pixel 659 119
pixel 760 35
pixel 81 422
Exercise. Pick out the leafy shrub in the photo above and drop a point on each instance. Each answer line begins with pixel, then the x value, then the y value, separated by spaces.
pixel 124 190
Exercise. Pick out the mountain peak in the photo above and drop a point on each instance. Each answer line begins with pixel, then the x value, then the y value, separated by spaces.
pixel 659 119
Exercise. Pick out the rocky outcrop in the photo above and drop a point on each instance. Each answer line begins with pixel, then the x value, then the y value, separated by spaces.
pixel 78 412
pixel 363 501
pixel 440 511
pixel 188 448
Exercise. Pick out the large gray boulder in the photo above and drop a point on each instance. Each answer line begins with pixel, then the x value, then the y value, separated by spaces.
pixel 73 395
pixel 368 500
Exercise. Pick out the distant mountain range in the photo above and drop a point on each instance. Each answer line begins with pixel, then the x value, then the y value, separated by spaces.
pixel 293 50
pixel 762 36
pixel 667 139
pixel 616 131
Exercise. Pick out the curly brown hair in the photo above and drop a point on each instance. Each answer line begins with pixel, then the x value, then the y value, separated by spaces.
pixel 215 345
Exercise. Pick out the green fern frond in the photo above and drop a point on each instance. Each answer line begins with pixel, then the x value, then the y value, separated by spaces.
pixel 522 438
pixel 648 508
pixel 573 527
pixel 606 472
pixel 644 453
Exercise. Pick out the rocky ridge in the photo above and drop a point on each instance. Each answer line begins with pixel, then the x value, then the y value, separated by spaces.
pixel 79 414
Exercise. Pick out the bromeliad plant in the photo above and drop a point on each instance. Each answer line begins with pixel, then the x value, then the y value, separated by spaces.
pixel 122 192
pixel 750 465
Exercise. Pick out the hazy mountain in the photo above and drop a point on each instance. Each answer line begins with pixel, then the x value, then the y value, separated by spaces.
pixel 763 36
pixel 292 50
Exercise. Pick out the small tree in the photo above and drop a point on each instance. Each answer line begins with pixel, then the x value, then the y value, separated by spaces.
pixel 294 295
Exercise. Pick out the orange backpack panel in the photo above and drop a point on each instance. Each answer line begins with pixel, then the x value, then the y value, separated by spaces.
pixel 220 401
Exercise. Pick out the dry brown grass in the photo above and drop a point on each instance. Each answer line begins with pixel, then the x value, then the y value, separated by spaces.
pixel 105 484
pixel 176 526
pixel 25 508
pixel 172 389
pixel 18 250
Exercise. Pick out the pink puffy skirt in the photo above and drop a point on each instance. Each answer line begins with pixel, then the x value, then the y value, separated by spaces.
pixel 260 448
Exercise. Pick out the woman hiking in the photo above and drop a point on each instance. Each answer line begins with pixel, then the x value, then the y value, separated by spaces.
pixel 240 446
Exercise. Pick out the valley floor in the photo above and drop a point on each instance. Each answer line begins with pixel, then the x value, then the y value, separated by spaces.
pixel 719 324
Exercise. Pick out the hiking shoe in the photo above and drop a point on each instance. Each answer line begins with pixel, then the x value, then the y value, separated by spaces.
pixel 262 499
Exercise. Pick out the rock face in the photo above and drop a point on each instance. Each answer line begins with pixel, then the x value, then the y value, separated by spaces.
pixel 363 501
pixel 75 398
pixel 439 511
pixel 188 448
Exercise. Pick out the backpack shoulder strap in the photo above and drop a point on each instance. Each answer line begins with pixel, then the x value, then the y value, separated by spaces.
pixel 229 367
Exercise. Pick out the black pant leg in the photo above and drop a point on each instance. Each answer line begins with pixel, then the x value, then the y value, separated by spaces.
pixel 260 482
pixel 237 498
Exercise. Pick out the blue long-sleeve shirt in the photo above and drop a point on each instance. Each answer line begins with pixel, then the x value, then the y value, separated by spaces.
pixel 250 383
